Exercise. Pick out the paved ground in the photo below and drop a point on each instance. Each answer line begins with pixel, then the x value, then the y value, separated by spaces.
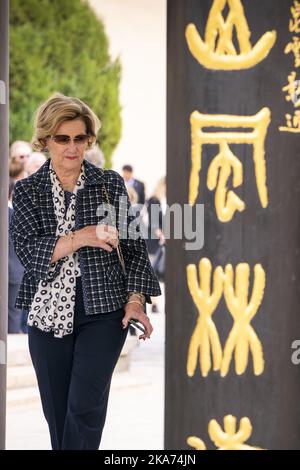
pixel 136 405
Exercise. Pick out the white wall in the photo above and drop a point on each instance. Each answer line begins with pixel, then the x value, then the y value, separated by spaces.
pixel 137 34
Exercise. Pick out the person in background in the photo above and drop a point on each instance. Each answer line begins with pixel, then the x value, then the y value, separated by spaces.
pixel 95 156
pixel 156 207
pixel 20 151
pixel 11 185
pixel 136 209
pixel 16 173
pixel 16 169
pixel 35 161
pixel 15 275
pixel 137 185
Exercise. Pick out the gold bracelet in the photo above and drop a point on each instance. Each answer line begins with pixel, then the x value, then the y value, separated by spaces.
pixel 137 299
pixel 134 302
pixel 139 295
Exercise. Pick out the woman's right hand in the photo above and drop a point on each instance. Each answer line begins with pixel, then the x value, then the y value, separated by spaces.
pixel 101 236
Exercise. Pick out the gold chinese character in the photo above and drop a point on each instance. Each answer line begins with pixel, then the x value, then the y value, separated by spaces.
pixel 227 202
pixel 205 337
pixel 293 89
pixel 292 123
pixel 295 48
pixel 294 26
pixel 196 443
pixel 230 438
pixel 218 51
pixel 225 163
pixel 242 335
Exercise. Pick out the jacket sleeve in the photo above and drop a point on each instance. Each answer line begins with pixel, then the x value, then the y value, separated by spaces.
pixel 33 250
pixel 140 276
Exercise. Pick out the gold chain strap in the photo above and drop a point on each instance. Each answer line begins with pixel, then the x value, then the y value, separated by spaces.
pixel 119 251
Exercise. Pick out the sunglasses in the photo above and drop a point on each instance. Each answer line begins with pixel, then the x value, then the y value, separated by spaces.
pixel 66 139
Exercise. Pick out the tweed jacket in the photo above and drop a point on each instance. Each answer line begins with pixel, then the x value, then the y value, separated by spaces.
pixel 33 231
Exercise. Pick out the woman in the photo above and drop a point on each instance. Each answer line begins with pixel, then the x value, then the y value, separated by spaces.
pixel 79 299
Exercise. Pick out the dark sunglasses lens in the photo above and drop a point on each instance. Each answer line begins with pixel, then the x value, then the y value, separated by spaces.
pixel 65 139
pixel 81 139
pixel 61 139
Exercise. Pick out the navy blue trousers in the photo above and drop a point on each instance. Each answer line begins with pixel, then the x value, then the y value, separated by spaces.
pixel 74 375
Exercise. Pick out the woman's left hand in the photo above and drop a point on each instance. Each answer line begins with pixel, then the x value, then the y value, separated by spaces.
pixel 135 311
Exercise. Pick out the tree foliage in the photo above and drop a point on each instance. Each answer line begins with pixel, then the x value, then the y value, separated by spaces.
pixel 60 45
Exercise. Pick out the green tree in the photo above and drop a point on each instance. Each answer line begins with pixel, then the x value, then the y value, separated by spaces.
pixel 60 45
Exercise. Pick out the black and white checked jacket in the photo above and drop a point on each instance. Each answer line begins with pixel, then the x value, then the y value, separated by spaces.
pixel 33 231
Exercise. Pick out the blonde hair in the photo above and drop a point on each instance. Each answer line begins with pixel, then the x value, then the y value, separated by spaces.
pixel 57 109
